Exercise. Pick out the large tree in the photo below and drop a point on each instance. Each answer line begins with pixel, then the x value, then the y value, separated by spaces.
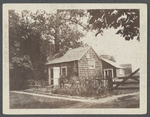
pixel 35 36
pixel 125 20
pixel 64 25
pixel 15 37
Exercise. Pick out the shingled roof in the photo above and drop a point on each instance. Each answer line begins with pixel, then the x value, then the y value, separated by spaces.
pixel 71 55
pixel 112 63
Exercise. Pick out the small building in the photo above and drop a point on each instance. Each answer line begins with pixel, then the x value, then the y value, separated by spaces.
pixel 112 69
pixel 81 62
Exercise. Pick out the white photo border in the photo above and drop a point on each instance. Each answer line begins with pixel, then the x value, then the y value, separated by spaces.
pixel 142 50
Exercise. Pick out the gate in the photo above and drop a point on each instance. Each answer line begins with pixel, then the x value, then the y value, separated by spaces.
pixel 129 82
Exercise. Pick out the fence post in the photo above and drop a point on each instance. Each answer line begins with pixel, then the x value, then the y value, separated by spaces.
pixel 110 84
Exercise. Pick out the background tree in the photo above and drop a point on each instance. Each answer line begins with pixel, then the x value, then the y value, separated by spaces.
pixel 125 20
pixel 65 26
pixel 32 43
pixel 19 64
pixel 36 36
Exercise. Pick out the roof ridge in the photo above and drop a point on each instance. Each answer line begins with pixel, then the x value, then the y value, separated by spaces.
pixel 85 51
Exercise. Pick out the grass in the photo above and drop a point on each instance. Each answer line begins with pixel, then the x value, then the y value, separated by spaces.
pixel 115 92
pixel 23 101
pixel 123 102
pixel 119 92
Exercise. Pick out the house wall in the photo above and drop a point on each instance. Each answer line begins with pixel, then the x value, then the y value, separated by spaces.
pixel 72 67
pixel 118 73
pixel 84 70
pixel 108 66
pixel 127 69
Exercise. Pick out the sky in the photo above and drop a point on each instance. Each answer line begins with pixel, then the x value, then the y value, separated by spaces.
pixel 124 52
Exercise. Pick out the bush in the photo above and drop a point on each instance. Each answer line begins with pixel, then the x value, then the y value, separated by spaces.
pixel 18 79
pixel 81 87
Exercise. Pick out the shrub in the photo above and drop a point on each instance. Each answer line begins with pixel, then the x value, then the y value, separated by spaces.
pixel 81 87
pixel 18 79
pixel 62 80
pixel 42 83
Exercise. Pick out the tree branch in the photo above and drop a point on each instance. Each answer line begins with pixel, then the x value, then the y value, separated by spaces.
pixel 77 22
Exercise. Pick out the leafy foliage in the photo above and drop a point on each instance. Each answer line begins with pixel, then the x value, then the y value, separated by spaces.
pixel 81 86
pixel 14 34
pixel 64 25
pixel 127 20
pixel 34 37
pixel 84 87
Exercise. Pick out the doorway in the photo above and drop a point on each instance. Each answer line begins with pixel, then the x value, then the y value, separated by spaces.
pixel 108 75
pixel 54 75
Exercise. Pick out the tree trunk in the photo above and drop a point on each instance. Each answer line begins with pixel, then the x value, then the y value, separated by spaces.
pixel 56 43
pixel 57 33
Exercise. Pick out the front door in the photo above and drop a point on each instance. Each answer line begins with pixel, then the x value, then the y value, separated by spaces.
pixel 108 74
pixel 50 76
pixel 54 75
pixel 56 71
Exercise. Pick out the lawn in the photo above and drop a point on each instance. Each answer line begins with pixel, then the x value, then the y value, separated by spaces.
pixel 23 101
pixel 123 102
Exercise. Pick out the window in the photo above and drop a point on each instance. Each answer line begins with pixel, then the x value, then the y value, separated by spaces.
pixel 91 64
pixel 64 71
pixel 120 71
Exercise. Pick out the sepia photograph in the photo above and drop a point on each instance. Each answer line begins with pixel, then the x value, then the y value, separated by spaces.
pixel 74 58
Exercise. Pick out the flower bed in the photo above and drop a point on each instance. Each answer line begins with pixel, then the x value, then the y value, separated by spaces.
pixel 77 87
pixel 84 88
pixel 74 87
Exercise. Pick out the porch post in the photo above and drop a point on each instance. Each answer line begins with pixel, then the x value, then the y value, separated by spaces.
pixel 78 68
pixel 49 76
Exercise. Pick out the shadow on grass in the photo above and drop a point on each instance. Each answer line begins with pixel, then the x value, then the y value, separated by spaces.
pixel 22 101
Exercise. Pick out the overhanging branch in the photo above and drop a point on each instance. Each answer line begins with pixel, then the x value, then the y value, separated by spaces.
pixel 77 22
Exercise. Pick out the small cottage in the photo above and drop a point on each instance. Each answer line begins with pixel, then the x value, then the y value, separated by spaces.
pixel 81 62
pixel 112 69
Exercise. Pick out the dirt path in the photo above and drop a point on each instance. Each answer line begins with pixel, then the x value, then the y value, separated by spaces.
pixel 101 100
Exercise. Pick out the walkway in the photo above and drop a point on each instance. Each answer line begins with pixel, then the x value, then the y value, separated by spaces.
pixel 101 100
